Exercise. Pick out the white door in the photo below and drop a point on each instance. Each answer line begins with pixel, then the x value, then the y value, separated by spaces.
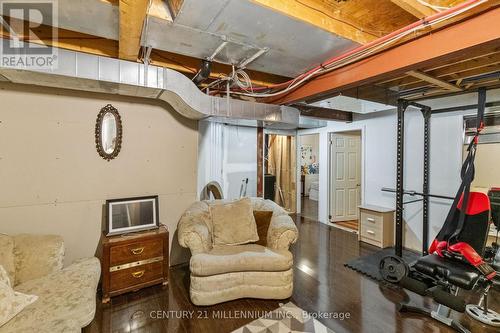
pixel 345 176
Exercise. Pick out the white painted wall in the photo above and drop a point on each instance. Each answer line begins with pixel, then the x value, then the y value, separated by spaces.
pixel 379 159
pixel 227 154
pixel 240 160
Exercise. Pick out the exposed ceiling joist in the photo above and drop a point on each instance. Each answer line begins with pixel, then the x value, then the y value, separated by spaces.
pixel 448 44
pixel 303 11
pixel 415 8
pixel 454 78
pixel 132 15
pixel 435 81
pixel 67 39
pixel 76 41
pixel 449 69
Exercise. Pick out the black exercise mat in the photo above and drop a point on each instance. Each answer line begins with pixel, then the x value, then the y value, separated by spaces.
pixel 368 265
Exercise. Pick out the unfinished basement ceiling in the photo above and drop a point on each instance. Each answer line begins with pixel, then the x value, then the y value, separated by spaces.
pixel 93 17
pixel 202 26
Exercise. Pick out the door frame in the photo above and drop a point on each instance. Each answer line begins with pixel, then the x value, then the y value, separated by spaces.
pixel 285 132
pixel 362 130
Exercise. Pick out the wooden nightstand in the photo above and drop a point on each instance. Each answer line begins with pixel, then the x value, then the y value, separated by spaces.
pixel 376 225
pixel 134 261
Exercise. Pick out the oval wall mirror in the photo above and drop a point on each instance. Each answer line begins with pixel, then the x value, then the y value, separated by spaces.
pixel 108 132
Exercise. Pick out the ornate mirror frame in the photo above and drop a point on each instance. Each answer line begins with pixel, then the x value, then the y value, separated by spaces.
pixel 98 135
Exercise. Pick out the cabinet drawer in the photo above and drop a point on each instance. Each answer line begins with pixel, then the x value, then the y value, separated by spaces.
pixel 371 233
pixel 371 221
pixel 122 254
pixel 130 277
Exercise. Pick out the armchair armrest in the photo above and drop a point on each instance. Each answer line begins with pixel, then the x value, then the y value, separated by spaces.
pixel 37 256
pixel 282 232
pixel 193 231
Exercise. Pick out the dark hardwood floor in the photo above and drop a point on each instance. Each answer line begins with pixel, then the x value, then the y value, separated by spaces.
pixel 309 208
pixel 322 284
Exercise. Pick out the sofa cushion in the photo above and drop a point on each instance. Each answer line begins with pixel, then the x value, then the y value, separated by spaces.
pixel 66 294
pixel 37 256
pixel 7 256
pixel 262 219
pixel 240 258
pixel 12 302
pixel 233 222
pixel 209 290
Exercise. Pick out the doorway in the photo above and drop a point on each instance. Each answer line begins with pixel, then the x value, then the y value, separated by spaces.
pixel 345 179
pixel 309 175
pixel 280 170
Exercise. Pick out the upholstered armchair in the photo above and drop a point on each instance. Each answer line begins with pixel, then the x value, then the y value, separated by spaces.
pixel 221 273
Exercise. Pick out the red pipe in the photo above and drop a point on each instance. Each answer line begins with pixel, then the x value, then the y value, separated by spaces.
pixel 375 42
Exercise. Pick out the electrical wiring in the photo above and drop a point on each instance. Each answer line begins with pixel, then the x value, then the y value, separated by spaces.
pixel 363 51
pixel 238 77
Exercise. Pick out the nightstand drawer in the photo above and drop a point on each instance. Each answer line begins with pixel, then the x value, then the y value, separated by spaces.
pixel 371 233
pixel 127 278
pixel 371 221
pixel 123 254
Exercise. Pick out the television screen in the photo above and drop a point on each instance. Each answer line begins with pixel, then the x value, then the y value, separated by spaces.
pixel 133 214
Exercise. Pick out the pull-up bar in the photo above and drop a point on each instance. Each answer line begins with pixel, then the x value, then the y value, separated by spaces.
pixel 413 193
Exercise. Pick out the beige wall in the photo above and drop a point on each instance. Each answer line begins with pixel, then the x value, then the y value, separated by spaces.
pixel 53 181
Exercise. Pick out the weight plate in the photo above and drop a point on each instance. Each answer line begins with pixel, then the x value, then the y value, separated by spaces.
pixel 393 269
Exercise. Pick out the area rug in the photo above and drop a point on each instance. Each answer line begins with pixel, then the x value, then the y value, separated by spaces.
pixel 285 319
pixel 369 265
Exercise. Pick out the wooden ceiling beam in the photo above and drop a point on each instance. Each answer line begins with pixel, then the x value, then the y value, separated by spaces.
pixel 305 12
pixel 440 46
pixel 433 80
pixel 67 39
pixel 132 15
pixel 323 113
pixel 415 8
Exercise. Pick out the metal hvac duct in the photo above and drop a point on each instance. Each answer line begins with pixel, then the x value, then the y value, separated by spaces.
pixel 86 72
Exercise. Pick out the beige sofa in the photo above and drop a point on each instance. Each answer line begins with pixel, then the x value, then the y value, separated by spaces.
pixel 66 296
pixel 226 272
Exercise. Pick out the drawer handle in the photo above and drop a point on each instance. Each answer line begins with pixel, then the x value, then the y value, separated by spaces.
pixel 138 274
pixel 138 250
pixel 371 219
pixel 370 232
